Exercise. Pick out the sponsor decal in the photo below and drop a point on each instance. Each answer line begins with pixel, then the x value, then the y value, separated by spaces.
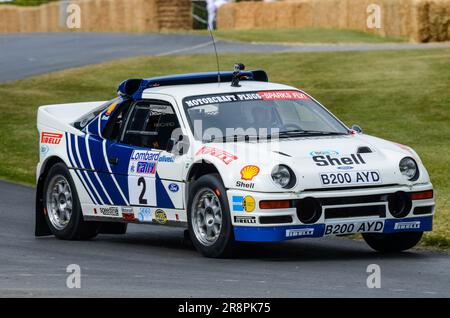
pixel 324 153
pixel 283 95
pixel 127 209
pixel 209 99
pixel 249 172
pixel 128 216
pixel 245 219
pixel 224 156
pixel 110 211
pixel 160 216
pixel 241 203
pixel 44 149
pixel 144 161
pixel 111 108
pixel 173 187
pixel 345 167
pixel 127 213
pixel 404 147
pixel 51 138
pixel 145 214
pixel 246 185
pixel 246 96
pixel 407 225
pixel 350 178
pixel 165 158
pixel 329 160
pixel 299 232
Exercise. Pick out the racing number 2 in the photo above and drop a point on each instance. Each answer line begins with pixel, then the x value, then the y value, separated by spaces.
pixel 142 200
pixel 142 190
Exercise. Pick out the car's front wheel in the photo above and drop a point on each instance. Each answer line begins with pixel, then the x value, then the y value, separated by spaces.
pixel 209 218
pixel 63 211
pixel 392 242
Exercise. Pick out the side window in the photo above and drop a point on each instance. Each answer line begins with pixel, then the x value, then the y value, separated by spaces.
pixel 150 125
pixel 116 123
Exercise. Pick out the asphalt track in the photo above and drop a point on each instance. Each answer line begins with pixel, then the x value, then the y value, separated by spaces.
pixel 153 261
pixel 23 55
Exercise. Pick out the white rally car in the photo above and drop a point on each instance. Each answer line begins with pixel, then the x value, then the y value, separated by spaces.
pixel 231 157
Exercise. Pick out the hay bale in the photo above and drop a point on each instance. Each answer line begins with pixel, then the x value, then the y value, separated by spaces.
pixel 225 16
pixel 9 21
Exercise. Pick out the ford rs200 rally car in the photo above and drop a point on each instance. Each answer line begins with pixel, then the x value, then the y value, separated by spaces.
pixel 229 156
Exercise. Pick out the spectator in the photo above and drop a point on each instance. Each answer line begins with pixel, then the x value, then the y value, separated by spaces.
pixel 212 6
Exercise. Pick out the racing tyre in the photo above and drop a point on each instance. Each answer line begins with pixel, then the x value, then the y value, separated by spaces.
pixel 209 220
pixel 393 242
pixel 63 209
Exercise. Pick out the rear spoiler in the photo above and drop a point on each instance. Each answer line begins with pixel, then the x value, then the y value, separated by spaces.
pixel 134 87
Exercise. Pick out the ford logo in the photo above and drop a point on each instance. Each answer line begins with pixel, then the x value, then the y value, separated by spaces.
pixel 173 187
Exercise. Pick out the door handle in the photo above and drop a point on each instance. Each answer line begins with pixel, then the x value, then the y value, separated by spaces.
pixel 113 160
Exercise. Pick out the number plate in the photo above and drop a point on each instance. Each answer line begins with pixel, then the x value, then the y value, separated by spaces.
pixel 343 228
pixel 335 179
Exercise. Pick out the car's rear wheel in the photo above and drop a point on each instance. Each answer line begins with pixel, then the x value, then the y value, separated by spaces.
pixel 62 206
pixel 392 242
pixel 209 218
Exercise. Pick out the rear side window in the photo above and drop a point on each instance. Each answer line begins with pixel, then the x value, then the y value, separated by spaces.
pixel 87 118
pixel 116 123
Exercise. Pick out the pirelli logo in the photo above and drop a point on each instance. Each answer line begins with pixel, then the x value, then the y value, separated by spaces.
pixel 51 138
pixel 407 225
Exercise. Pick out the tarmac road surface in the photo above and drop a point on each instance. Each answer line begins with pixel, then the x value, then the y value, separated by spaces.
pixel 23 55
pixel 154 261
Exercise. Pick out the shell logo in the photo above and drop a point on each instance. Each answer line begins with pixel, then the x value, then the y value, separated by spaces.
pixel 249 172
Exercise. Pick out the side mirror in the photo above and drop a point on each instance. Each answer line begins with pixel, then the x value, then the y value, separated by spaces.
pixel 357 128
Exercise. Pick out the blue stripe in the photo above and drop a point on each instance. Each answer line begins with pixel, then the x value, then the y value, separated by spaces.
pixel 162 198
pixel 85 160
pixel 78 166
pixel 75 170
pixel 238 208
pixel 93 126
pixel 96 147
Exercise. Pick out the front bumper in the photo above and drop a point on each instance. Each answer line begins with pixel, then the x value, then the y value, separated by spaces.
pixel 265 225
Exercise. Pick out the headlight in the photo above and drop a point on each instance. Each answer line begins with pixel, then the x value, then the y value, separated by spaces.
pixel 408 168
pixel 283 176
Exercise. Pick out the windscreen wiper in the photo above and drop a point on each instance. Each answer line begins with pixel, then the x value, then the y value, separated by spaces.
pixel 302 132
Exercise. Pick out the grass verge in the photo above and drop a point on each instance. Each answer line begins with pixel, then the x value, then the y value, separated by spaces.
pixel 303 35
pixel 28 3
pixel 397 95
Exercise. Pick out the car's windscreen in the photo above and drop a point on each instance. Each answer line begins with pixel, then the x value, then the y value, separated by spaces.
pixel 263 114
